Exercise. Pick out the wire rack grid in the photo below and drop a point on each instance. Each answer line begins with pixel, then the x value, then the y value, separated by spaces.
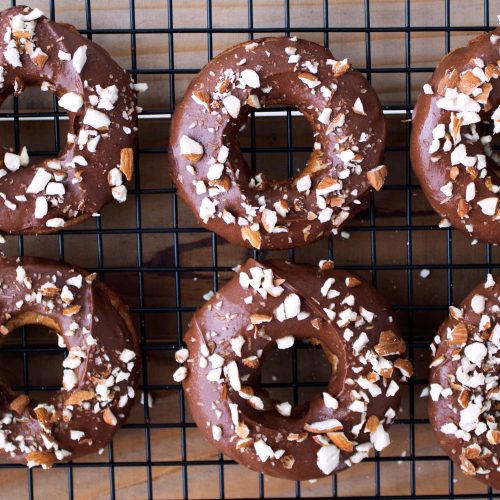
pixel 152 251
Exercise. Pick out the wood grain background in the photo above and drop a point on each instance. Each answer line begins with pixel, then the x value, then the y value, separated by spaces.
pixel 122 249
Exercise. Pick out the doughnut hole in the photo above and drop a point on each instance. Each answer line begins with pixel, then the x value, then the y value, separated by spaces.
pixel 274 145
pixel 31 347
pixel 43 137
pixel 295 374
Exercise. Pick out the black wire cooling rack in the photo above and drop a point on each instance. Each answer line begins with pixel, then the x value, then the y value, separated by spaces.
pixel 152 251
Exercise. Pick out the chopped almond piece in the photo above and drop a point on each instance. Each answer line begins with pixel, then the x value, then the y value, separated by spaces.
pixel 352 282
pixel 376 177
pixel 463 208
pixel 404 366
pixel 459 334
pixel 108 417
pixel 253 237
pixel 372 424
pixel 19 404
pixel 127 162
pixel 449 81
pixel 339 439
pixel 257 319
pixel 71 310
pixel 78 397
pixel 389 344
pixel 468 82
pixel 44 458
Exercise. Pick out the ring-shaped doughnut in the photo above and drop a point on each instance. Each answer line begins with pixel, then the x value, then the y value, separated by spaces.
pixel 250 209
pixel 464 391
pixel 270 304
pixel 100 372
pixel 453 123
pixel 100 99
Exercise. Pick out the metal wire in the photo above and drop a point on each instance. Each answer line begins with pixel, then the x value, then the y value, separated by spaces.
pixel 177 230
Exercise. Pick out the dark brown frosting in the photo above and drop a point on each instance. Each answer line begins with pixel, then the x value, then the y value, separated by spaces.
pixel 100 371
pixel 464 405
pixel 214 179
pixel 456 166
pixel 269 304
pixel 101 101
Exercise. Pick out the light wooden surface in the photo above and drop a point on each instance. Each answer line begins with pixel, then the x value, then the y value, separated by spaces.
pixel 195 249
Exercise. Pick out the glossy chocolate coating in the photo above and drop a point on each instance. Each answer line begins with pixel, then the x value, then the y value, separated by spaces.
pixel 433 175
pixel 87 188
pixel 238 193
pixel 96 329
pixel 447 410
pixel 227 316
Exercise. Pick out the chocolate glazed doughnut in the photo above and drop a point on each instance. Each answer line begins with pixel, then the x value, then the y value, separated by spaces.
pixel 451 152
pixel 100 371
pixel 270 304
pixel 100 98
pixel 464 409
pixel 249 209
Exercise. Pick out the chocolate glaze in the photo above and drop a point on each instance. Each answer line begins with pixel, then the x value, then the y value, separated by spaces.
pixel 227 316
pixel 88 196
pixel 240 194
pixel 447 410
pixel 435 174
pixel 99 334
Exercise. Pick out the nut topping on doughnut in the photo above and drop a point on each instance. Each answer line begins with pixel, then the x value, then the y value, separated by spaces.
pixel 99 373
pixel 270 304
pixel 464 409
pixel 247 208
pixel 451 141
pixel 100 99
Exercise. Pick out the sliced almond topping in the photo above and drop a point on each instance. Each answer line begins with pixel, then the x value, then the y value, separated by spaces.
pixel 127 162
pixel 19 404
pixel 340 440
pixel 376 177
